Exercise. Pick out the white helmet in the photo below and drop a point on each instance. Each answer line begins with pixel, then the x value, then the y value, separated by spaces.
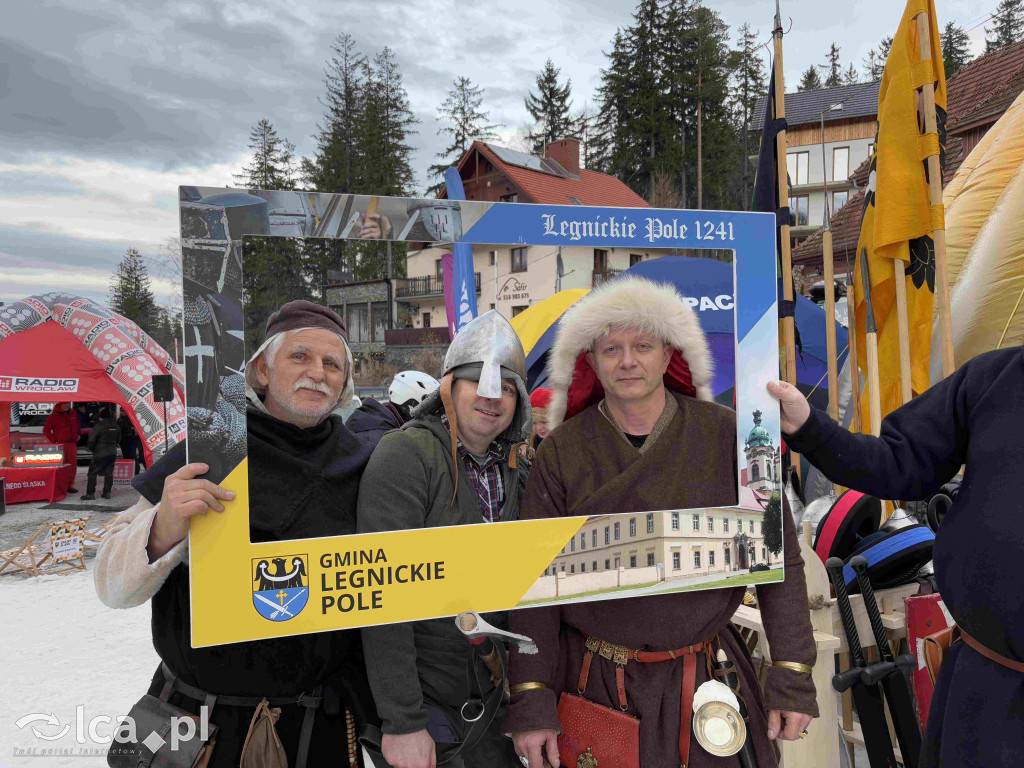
pixel 411 385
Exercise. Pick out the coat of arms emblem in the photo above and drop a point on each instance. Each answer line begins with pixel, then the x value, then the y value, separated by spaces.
pixel 280 586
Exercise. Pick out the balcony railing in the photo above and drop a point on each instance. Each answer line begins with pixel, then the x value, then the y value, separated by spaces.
pixel 603 277
pixel 420 287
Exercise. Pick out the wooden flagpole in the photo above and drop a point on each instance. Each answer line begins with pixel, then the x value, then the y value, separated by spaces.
pixel 788 333
pixel 830 324
pixel 851 335
pixel 788 328
pixel 903 326
pixel 830 289
pixel 935 189
pixel 871 335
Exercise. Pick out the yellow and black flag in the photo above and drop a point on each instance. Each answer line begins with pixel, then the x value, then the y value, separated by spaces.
pixel 898 214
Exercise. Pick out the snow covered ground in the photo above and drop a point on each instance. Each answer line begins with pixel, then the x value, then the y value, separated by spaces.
pixel 63 649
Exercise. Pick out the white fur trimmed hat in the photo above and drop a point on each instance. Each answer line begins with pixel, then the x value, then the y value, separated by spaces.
pixel 625 302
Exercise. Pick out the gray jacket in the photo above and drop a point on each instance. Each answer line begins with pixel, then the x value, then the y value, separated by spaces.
pixel 408 484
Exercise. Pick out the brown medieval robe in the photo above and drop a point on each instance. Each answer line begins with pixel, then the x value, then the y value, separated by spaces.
pixel 588 467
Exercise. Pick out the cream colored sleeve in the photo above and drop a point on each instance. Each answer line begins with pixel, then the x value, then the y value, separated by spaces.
pixel 123 575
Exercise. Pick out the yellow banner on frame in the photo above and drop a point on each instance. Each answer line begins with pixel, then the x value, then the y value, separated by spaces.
pixel 244 591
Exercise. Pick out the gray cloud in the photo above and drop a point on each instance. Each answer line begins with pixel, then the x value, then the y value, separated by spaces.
pixel 49 102
pixel 20 183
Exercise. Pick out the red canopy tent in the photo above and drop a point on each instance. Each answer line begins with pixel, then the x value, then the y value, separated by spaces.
pixel 59 350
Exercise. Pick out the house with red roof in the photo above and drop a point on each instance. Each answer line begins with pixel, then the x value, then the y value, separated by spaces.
pixel 511 278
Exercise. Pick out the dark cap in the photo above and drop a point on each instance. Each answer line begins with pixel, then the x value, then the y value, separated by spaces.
pixel 305 314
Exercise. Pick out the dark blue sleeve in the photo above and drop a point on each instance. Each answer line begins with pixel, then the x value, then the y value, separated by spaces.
pixel 921 445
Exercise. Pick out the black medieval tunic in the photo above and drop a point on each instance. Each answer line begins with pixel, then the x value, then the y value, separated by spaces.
pixel 587 467
pixel 975 417
pixel 302 483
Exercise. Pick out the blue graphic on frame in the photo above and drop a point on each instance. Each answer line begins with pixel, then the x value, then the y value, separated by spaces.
pixel 463 282
pixel 280 587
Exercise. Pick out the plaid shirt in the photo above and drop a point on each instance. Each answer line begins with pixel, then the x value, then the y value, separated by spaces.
pixel 486 477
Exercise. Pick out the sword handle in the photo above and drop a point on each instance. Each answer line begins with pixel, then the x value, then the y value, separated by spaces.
pixel 845 680
pixel 873 674
pixel 860 567
pixel 834 566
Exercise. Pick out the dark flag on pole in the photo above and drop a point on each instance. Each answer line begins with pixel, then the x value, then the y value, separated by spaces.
pixel 766 184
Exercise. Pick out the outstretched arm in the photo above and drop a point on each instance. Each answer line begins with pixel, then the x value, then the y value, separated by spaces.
pixel 921 445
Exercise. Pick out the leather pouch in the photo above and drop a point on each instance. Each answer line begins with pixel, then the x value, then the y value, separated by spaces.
pixel 262 748
pixel 935 647
pixel 151 715
pixel 595 735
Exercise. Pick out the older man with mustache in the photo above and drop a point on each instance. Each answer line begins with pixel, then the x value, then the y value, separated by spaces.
pixel 304 473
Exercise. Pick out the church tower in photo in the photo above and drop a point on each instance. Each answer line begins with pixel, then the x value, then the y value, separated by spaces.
pixel 762 459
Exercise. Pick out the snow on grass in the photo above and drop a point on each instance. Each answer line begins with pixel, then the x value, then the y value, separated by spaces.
pixel 62 649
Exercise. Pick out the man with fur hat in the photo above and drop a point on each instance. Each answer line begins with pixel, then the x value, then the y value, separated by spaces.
pixel 304 471
pixel 460 461
pixel 631 371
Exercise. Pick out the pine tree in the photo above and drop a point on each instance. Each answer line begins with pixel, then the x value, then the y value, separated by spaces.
pixel 1008 27
pixel 585 129
pixel 870 66
pixel 463 121
pixel 883 49
pixel 672 58
pixel 750 86
pixel 384 130
pixel 851 77
pixel 834 68
pixel 332 168
pixel 130 293
pixel 550 108
pixel 956 49
pixel 810 80
pixel 273 160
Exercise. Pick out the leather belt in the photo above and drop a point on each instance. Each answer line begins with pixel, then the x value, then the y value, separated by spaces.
pixel 311 703
pixel 988 653
pixel 620 656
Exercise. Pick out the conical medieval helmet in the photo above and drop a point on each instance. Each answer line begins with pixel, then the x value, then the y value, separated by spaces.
pixel 488 349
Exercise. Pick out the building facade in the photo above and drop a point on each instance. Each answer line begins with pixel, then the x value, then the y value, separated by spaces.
pixel 508 278
pixel 697 542
pixel 850 114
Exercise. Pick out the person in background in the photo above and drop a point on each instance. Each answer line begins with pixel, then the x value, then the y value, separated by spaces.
pixel 373 419
pixel 131 447
pixel 539 400
pixel 103 443
pixel 62 426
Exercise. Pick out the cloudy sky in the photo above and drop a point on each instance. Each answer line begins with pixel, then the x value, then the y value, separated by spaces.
pixel 107 106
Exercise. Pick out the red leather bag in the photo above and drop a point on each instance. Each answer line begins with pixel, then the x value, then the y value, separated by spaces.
pixel 595 735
